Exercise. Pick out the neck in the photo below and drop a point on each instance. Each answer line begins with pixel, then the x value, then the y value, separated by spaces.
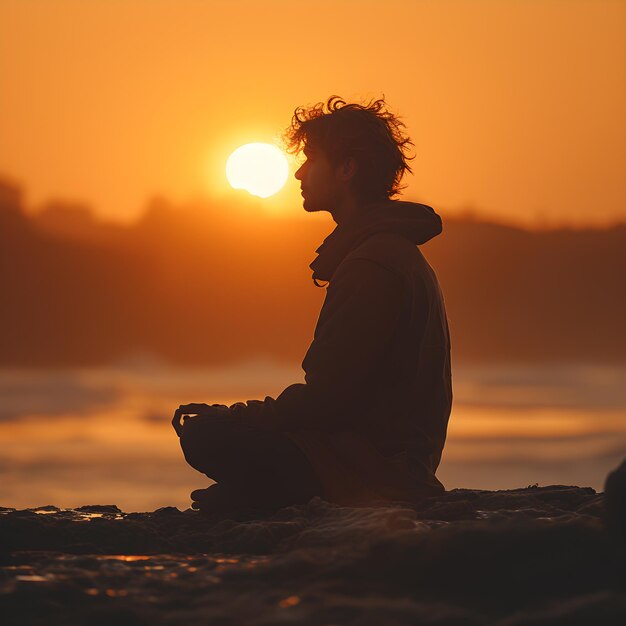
pixel 346 210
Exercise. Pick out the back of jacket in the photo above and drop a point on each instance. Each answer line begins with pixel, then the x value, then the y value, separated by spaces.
pixel 372 414
pixel 413 383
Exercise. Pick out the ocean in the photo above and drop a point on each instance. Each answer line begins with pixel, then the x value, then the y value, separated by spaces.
pixel 72 437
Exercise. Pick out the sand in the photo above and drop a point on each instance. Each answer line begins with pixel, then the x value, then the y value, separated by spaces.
pixel 539 556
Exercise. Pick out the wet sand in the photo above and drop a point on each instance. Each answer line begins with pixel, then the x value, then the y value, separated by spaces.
pixel 537 556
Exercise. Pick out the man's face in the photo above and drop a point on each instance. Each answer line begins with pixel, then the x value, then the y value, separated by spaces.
pixel 318 181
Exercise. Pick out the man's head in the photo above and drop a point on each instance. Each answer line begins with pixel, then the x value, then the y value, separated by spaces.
pixel 352 150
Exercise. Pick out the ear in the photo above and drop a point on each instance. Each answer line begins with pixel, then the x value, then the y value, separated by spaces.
pixel 347 169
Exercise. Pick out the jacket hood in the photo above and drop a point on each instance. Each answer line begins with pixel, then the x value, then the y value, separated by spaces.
pixel 416 222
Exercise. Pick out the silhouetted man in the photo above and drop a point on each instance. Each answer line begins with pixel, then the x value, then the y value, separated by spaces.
pixel 369 423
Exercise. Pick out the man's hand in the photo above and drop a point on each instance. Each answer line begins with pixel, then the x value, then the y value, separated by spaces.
pixel 184 411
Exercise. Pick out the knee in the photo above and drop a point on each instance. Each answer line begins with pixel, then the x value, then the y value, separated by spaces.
pixel 202 440
pixel 191 443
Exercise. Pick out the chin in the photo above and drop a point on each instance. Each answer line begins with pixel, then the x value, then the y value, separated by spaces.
pixel 310 207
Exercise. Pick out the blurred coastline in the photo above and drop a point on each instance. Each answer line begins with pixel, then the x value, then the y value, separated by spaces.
pixel 197 285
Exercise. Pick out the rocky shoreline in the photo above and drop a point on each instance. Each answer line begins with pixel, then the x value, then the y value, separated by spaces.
pixel 540 555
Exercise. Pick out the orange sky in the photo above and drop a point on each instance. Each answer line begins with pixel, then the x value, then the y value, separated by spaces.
pixel 516 108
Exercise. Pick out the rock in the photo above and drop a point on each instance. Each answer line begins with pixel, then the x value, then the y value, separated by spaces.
pixel 166 511
pixel 99 508
pixel 615 503
pixel 464 558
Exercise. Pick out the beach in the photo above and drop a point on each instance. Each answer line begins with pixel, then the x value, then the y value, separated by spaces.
pixel 538 555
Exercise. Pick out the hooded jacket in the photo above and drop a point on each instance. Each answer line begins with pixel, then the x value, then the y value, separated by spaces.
pixel 372 414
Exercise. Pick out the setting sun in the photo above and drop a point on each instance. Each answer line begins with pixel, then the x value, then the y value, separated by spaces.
pixel 259 168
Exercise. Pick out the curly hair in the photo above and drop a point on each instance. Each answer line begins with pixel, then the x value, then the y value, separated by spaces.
pixel 369 133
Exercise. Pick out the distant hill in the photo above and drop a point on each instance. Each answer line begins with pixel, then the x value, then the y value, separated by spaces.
pixel 200 285
pixel 533 295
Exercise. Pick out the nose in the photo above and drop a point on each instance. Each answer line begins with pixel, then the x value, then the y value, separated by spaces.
pixel 299 175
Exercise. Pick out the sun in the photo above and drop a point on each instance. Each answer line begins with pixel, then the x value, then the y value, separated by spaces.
pixel 259 168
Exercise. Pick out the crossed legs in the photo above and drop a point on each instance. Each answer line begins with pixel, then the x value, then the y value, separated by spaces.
pixel 256 468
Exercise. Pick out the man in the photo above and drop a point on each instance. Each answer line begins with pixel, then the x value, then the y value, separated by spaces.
pixel 369 423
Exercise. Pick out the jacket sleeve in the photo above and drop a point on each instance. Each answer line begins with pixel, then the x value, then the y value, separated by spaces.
pixel 357 322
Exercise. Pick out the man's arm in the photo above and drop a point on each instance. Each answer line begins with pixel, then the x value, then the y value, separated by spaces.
pixel 355 329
